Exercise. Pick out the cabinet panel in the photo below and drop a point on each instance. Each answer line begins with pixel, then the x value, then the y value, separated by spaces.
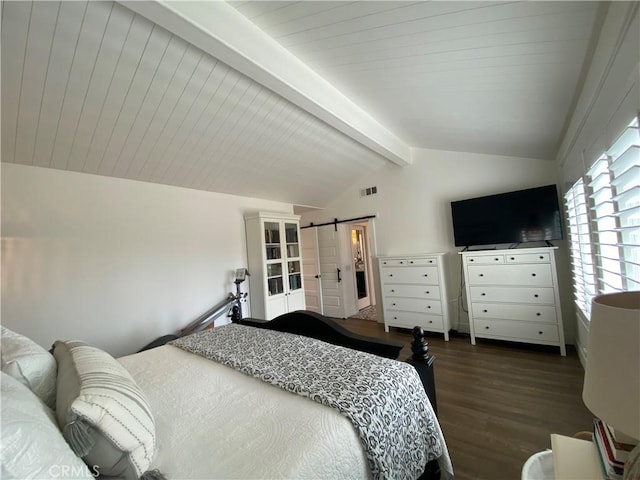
pixel 415 305
pixel 412 319
pixel 532 274
pixel 536 295
pixel 512 311
pixel 426 275
pixel 517 331
pixel 416 291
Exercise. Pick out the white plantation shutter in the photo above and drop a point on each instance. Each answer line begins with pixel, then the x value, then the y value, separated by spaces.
pixel 603 217
pixel 614 186
pixel 583 268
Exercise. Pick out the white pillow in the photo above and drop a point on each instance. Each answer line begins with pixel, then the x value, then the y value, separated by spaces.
pixel 102 412
pixel 32 445
pixel 28 362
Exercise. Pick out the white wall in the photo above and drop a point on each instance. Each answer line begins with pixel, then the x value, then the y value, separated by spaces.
pixel 413 204
pixel 114 262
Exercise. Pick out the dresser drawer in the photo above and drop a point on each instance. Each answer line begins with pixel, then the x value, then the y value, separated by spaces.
pixel 422 261
pixel 525 275
pixel 516 331
pixel 408 262
pixel 537 295
pixel 412 319
pixel 528 258
pixel 535 313
pixel 425 275
pixel 484 259
pixel 414 305
pixel 393 262
pixel 415 291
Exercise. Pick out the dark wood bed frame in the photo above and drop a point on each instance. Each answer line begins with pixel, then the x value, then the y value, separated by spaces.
pixel 314 325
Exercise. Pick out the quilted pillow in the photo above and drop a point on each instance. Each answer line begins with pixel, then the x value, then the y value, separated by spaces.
pixel 32 445
pixel 29 363
pixel 102 413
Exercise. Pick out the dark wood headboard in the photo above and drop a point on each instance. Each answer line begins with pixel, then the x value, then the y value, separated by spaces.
pixel 314 325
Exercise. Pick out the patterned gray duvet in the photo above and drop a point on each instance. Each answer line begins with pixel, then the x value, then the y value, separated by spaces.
pixel 384 399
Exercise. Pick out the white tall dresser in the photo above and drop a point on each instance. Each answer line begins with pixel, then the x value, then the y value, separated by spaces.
pixel 414 292
pixel 513 295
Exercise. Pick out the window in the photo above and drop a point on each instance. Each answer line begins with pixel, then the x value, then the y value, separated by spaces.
pixel 604 222
pixel 584 280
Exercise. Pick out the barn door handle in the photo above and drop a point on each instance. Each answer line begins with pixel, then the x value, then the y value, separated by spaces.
pixel 339 276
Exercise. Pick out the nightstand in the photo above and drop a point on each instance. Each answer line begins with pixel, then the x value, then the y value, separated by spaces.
pixel 574 459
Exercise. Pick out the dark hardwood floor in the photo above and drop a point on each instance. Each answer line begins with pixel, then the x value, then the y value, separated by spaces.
pixel 498 402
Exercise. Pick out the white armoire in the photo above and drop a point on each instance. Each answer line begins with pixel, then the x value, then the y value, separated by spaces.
pixel 275 264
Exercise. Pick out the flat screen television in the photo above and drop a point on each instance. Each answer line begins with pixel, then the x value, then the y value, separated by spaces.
pixel 531 215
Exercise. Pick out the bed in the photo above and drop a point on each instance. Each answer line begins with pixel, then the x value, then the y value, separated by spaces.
pixel 230 402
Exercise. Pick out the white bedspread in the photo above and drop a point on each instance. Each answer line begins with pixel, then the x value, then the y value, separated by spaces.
pixel 214 422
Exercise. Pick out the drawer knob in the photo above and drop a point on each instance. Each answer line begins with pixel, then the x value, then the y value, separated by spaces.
pixel 496 259
pixel 512 258
pixel 428 306
pixel 411 261
pixel 484 311
pixel 430 261
pixel 538 314
pixel 482 274
pixel 536 295
pixel 483 294
pixel 392 290
pixel 540 332
pixel 391 274
pixel 541 257
pixel 427 292
pixel 533 274
pixel 426 275
pixel 471 260
pixel 400 263
pixel 393 304
pixel 486 327
pixel 430 321
pixel 395 318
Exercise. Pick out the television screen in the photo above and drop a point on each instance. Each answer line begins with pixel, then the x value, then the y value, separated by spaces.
pixel 530 215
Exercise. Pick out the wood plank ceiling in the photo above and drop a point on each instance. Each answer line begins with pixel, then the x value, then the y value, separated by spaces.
pixel 487 77
pixel 94 87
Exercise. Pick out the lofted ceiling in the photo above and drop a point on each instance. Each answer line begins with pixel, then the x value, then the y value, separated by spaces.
pixel 287 101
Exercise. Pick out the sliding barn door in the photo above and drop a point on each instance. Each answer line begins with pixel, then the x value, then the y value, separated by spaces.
pixel 336 270
pixel 311 269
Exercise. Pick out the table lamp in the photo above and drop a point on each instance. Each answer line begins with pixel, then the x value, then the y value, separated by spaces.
pixel 612 375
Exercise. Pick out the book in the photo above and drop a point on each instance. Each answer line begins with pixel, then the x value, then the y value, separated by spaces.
pixel 620 449
pixel 612 468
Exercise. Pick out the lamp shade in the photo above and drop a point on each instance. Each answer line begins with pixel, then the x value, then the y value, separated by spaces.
pixel 612 375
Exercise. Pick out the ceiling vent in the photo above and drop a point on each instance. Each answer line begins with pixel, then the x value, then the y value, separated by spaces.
pixel 365 192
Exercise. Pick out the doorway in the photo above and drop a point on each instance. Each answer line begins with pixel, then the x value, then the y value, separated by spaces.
pixel 359 254
pixel 363 272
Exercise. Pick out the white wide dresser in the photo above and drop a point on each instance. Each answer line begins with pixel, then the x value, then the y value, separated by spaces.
pixel 414 292
pixel 513 295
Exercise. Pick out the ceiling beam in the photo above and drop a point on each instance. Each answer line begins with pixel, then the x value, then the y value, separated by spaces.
pixel 221 31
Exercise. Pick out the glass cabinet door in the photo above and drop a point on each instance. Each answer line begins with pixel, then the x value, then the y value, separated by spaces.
pixel 295 275
pixel 293 256
pixel 275 283
pixel 272 240
pixel 291 234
